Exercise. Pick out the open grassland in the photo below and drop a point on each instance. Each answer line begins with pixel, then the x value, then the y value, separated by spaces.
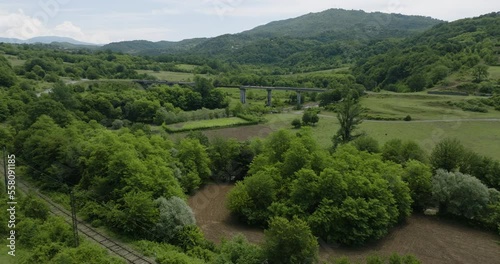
pixel 188 67
pixel 207 124
pixel 346 68
pixel 494 72
pixel 14 60
pixel 171 76
pixel 433 121
pixel 420 106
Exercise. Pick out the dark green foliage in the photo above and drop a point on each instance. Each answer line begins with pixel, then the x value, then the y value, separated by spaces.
pixel 447 154
pixel 296 123
pixel 310 117
pixel 350 115
pixel 422 61
pixel 407 118
pixel 290 242
pixel 34 208
pixel 230 159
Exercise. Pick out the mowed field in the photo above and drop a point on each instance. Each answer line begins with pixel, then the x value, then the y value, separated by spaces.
pixel 433 120
pixel 172 76
pixel 221 122
pixel 430 239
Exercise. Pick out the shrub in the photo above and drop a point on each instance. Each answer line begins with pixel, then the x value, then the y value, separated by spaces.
pixel 175 214
pixel 407 118
pixel 459 194
pixel 366 143
pixel 296 123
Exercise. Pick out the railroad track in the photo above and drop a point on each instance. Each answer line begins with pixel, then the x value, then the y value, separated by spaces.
pixel 130 255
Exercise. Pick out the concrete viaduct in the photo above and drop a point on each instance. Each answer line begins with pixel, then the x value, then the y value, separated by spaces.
pixel 243 89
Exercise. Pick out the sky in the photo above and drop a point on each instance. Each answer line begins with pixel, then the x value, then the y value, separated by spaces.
pixel 101 22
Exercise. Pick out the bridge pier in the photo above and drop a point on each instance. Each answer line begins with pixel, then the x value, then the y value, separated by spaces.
pixel 243 95
pixel 299 98
pixel 269 97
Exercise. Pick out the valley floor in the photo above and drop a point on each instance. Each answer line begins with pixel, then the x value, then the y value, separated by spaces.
pixel 430 239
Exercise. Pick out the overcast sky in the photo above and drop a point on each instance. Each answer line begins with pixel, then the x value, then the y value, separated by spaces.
pixel 101 21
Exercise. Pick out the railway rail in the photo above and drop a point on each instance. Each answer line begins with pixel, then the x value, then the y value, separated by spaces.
pixel 115 247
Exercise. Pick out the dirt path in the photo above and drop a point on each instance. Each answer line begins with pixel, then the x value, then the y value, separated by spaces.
pixel 430 239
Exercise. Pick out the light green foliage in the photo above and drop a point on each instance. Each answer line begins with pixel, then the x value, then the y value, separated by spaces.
pixel 85 253
pixel 459 194
pixel 290 242
pixel 366 143
pixel 419 179
pixel 136 214
pixel 174 215
pixel 251 198
pixel 401 152
pixel 239 251
pixel 277 144
pixel 195 161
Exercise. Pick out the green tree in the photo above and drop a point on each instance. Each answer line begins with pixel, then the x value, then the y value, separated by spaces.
pixel 310 117
pixel 419 179
pixel 290 242
pixel 239 251
pixel 350 115
pixel 366 143
pixel 174 215
pixel 480 73
pixel 459 194
pixel 448 154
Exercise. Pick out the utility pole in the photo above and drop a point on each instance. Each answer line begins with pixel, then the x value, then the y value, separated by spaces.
pixel 73 218
pixel 5 167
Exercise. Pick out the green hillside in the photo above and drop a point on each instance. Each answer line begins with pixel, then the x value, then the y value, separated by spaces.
pixel 454 55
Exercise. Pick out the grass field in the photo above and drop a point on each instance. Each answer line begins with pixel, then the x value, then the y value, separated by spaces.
pixel 494 72
pixel 14 61
pixel 420 106
pixel 212 123
pixel 172 76
pixel 433 121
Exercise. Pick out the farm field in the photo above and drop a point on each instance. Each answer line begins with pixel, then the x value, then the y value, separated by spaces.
pixel 430 239
pixel 212 123
pixel 171 76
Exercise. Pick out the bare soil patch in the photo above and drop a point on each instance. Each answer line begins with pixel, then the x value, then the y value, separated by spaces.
pixel 213 217
pixel 431 239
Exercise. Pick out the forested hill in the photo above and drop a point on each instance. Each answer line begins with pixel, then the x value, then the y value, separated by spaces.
pixel 344 24
pixel 310 42
pixel 463 49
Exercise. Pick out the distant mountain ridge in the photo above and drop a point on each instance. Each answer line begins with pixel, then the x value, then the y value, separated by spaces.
pixel 46 40
pixel 327 26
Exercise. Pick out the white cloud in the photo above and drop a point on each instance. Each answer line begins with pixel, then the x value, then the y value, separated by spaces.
pixel 20 25
pixel 68 29
pixel 166 11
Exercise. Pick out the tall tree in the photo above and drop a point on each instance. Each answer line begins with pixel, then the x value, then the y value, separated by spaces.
pixel 350 115
pixel 290 242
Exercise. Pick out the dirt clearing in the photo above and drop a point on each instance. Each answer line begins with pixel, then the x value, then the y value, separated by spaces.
pixel 430 239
